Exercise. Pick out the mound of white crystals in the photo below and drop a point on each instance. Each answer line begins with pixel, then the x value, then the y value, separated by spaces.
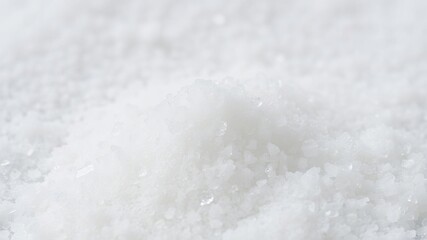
pixel 193 167
pixel 226 161
pixel 309 120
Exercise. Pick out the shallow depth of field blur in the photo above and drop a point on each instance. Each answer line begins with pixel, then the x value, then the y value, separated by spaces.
pixel 225 119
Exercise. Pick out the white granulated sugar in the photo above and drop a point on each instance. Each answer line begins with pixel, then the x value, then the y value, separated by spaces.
pixel 239 119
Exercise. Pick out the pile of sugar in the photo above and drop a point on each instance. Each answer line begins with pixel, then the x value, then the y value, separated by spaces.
pixel 213 120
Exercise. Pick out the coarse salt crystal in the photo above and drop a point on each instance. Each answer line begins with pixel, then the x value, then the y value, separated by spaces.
pixel 84 171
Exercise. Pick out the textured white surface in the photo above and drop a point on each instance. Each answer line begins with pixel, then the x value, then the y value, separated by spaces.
pixel 206 119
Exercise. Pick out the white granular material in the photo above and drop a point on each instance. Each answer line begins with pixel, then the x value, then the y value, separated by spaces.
pixel 226 119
